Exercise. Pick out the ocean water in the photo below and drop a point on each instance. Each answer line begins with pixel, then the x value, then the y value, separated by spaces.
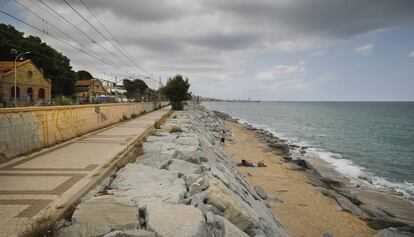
pixel 372 143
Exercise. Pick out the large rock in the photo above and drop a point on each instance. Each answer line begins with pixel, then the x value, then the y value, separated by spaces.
pixel 228 203
pixel 373 211
pixel 260 191
pixel 347 205
pixel 107 211
pixel 392 232
pixel 84 229
pixel 183 167
pixel 146 184
pixel 168 220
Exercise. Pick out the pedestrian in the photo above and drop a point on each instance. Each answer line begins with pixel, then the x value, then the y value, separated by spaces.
pixel 223 139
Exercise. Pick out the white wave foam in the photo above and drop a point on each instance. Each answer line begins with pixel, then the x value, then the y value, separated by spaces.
pixel 342 166
pixel 360 175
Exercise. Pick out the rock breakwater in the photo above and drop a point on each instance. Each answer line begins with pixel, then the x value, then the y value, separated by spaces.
pixel 183 185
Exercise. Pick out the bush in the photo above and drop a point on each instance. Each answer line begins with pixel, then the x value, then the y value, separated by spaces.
pixel 44 227
pixel 175 130
pixel 124 117
pixel 62 100
pixel 134 115
pixel 157 125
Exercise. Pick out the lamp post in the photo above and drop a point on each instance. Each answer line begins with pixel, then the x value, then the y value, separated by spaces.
pixel 15 77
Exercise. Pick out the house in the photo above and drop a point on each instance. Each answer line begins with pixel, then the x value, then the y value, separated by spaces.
pixel 31 84
pixel 113 88
pixel 86 89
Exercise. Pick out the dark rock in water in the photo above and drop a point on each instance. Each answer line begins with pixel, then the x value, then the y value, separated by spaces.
pixel 294 166
pixel 294 146
pixel 347 205
pixel 373 211
pixel 392 232
pixel 259 190
pixel 328 234
pixel 280 146
pixel 303 163
pixel 382 223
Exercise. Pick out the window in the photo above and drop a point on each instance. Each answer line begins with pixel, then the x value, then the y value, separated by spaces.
pixel 17 92
pixel 29 92
pixel 29 74
pixel 41 93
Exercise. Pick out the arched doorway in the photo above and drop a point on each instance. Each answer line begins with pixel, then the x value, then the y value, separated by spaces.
pixel 29 93
pixel 41 93
pixel 17 92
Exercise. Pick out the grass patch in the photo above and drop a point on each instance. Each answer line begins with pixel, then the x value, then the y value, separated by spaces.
pixel 157 125
pixel 175 130
pixel 42 227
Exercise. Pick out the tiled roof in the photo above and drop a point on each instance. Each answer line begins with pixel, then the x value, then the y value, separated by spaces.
pixel 9 65
pixel 83 82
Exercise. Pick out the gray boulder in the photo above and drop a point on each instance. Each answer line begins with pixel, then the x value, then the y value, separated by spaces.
pixel 146 184
pixel 392 232
pixel 260 191
pixel 170 220
pixel 108 211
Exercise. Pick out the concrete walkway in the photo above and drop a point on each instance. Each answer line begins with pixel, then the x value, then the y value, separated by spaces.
pixel 49 181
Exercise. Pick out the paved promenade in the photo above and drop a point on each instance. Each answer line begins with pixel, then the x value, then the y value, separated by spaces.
pixel 52 179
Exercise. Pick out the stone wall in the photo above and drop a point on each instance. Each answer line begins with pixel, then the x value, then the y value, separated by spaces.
pixel 26 129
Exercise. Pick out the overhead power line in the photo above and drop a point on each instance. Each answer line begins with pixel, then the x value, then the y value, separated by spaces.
pixel 112 36
pixel 60 40
pixel 99 32
pixel 79 30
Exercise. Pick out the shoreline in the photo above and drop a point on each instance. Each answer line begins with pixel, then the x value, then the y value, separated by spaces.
pixel 358 201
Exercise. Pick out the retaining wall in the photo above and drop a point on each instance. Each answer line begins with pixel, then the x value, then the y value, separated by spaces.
pixel 30 128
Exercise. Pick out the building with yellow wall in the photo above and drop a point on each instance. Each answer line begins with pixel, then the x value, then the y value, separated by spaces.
pixel 32 86
pixel 85 89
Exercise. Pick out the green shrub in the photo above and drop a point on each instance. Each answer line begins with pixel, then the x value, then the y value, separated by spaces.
pixel 175 130
pixel 62 100
pixel 124 117
pixel 134 115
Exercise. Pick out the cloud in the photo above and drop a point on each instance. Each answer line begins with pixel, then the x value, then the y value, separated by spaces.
pixel 411 54
pixel 365 49
pixel 282 72
pixel 208 38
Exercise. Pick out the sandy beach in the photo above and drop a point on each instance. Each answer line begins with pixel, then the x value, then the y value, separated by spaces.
pixel 298 205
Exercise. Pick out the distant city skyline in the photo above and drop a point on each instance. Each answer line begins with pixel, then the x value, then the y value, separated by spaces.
pixel 273 50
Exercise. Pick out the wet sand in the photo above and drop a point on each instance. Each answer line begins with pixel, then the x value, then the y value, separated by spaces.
pixel 300 207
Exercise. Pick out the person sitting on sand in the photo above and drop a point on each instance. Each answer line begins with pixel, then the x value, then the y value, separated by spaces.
pixel 245 163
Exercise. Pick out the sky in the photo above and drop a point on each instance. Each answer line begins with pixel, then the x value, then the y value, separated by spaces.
pixel 300 50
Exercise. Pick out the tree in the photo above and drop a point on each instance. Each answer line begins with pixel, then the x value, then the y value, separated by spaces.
pixel 55 65
pixel 135 88
pixel 83 75
pixel 176 91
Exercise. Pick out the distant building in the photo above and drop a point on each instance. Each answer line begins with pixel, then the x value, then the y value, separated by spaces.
pixel 113 88
pixel 32 86
pixel 86 89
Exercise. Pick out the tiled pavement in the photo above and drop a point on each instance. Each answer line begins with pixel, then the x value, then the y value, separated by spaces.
pixel 51 179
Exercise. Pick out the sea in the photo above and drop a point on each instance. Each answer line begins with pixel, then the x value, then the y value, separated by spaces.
pixel 370 143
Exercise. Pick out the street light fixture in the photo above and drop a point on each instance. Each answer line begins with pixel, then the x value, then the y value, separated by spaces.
pixel 15 76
